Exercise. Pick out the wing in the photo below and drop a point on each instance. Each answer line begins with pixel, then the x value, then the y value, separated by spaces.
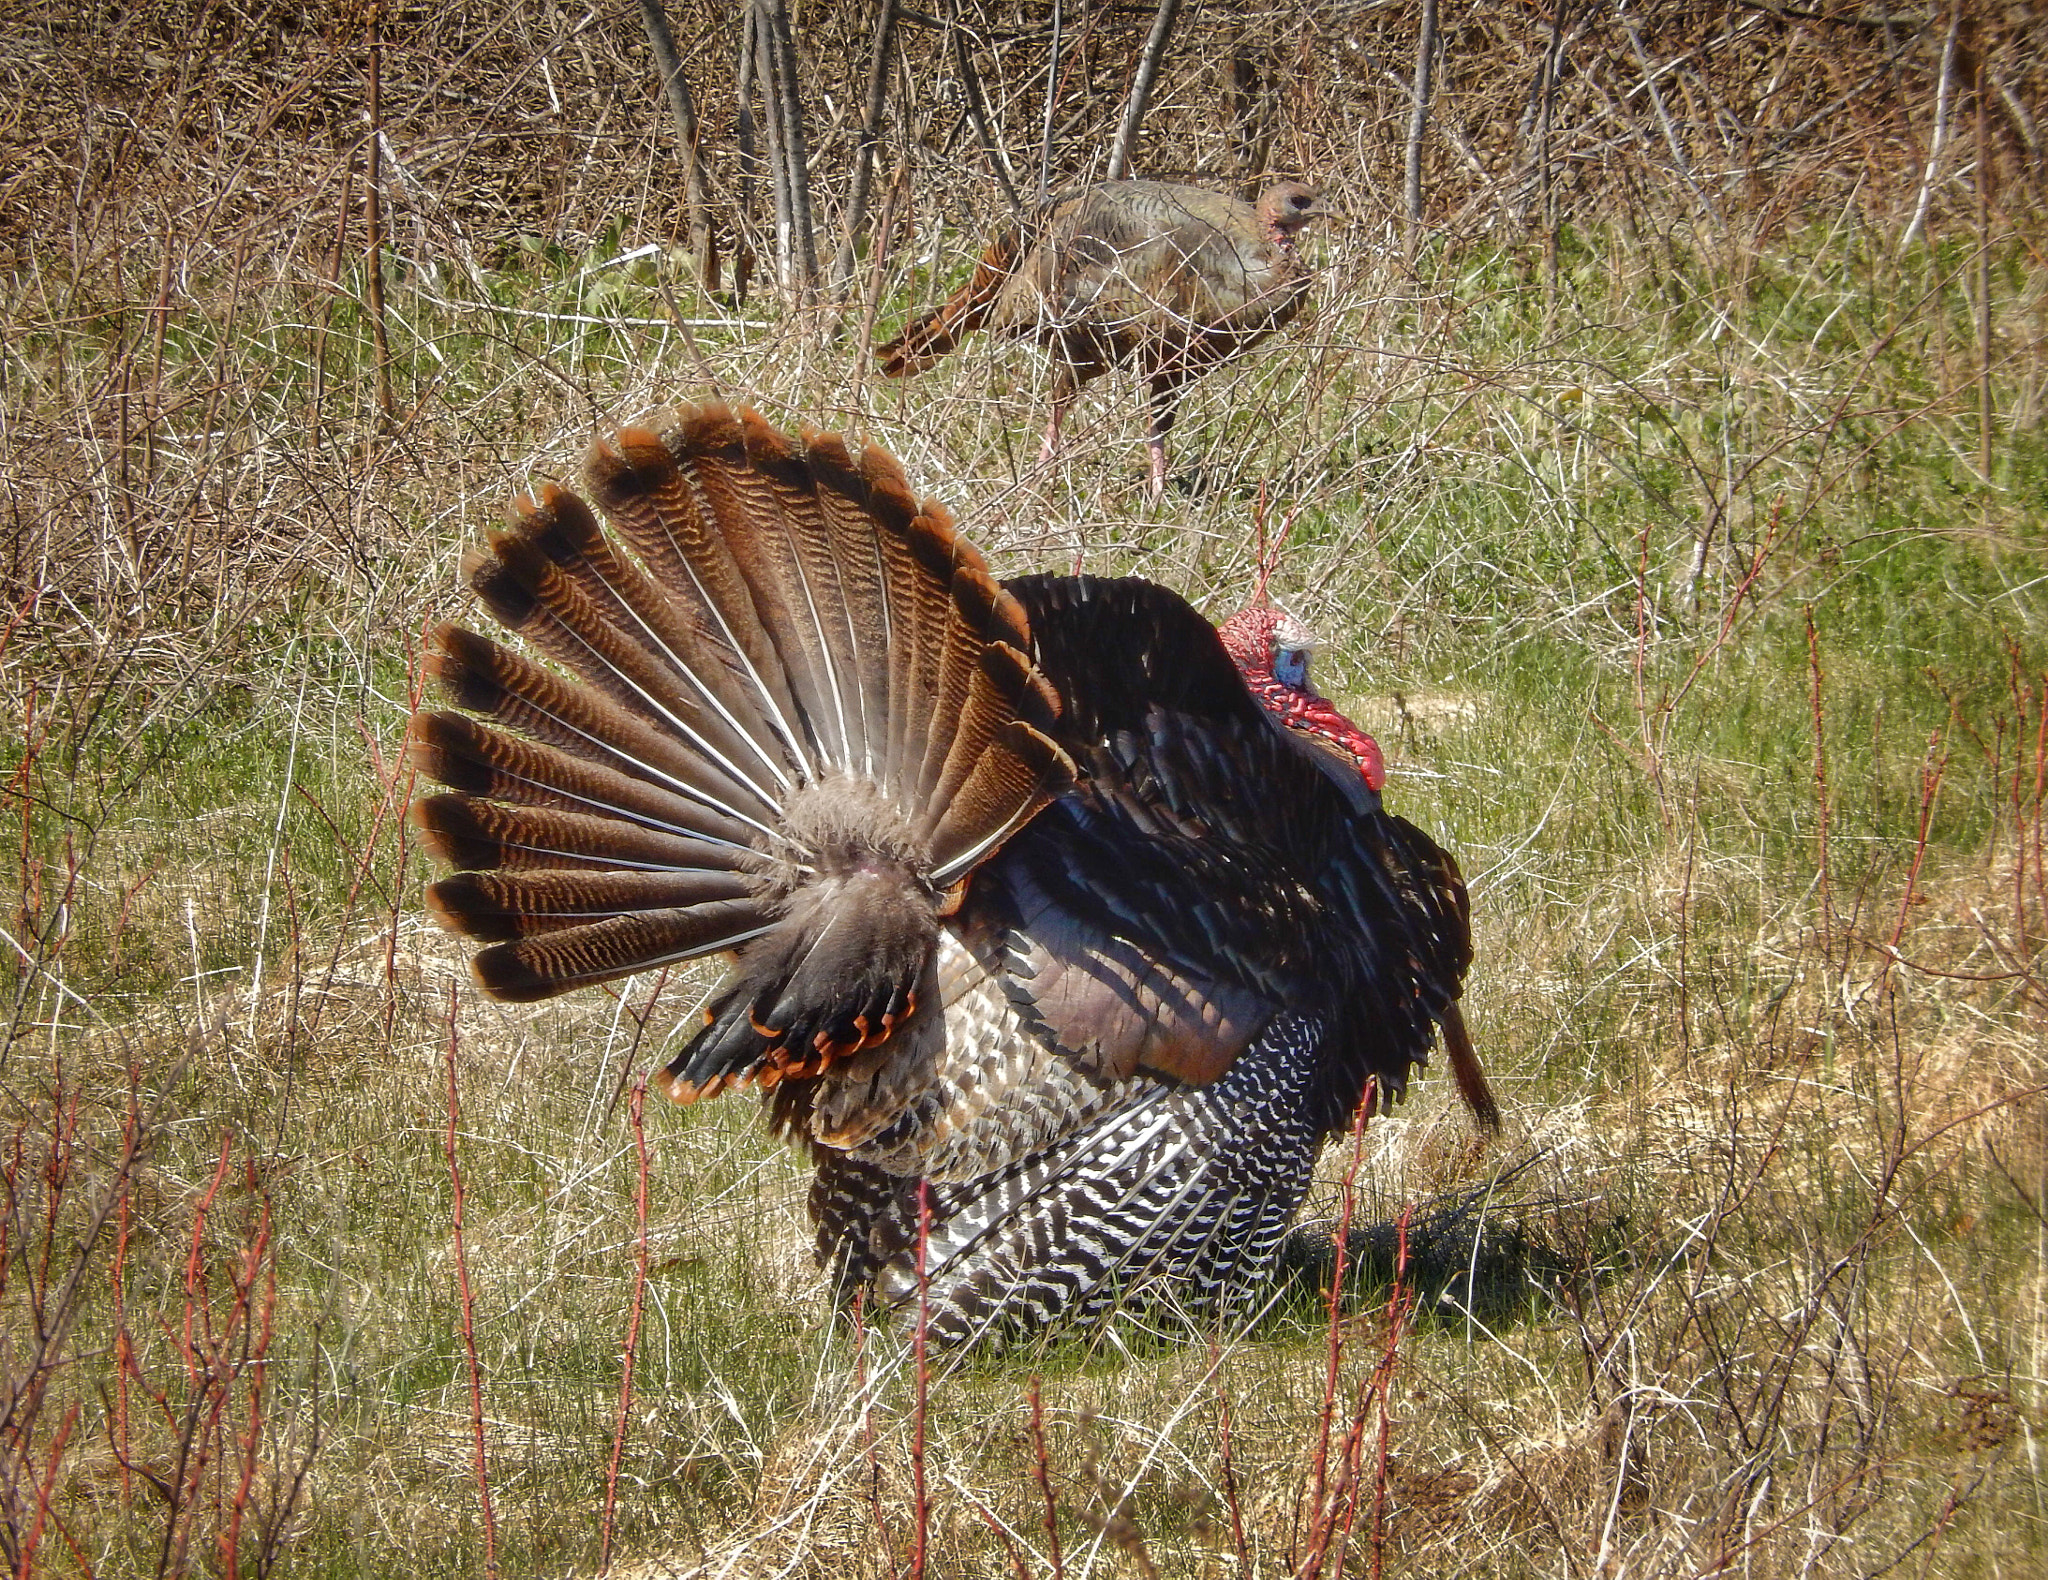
pixel 1205 874
pixel 1157 253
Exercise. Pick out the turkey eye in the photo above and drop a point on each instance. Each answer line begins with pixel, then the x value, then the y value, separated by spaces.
pixel 1290 666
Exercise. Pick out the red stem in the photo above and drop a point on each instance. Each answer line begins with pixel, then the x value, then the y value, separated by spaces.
pixel 867 1420
pixel 1041 1473
pixel 1321 1503
pixel 26 1568
pixel 1932 767
pixel 919 1497
pixel 1383 1380
pixel 255 1260
pixel 124 1344
pixel 1230 1497
pixel 1820 783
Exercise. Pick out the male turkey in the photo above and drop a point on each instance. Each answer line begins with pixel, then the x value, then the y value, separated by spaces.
pixel 1062 922
pixel 1173 278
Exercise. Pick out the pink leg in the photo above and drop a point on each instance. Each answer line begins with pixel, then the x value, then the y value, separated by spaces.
pixel 1051 446
pixel 1165 386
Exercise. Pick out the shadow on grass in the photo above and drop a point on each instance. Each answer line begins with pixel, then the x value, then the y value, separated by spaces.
pixel 1469 1255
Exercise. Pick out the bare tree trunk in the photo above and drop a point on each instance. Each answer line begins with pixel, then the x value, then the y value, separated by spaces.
pixel 897 199
pixel 1141 86
pixel 1052 94
pixel 870 134
pixel 1418 120
pixel 1249 122
pixel 795 156
pixel 762 34
pixel 696 190
pixel 1546 177
pixel 373 215
pixel 977 112
pixel 1939 136
pixel 750 158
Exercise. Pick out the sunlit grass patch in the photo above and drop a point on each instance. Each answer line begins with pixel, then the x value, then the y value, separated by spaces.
pixel 1687 620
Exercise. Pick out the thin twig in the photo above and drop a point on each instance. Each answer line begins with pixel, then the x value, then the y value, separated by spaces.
pixel 373 214
pixel 467 1302
pixel 920 1372
pixel 1041 1473
pixel 632 1342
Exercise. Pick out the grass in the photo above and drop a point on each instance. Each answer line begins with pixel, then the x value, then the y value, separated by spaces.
pixel 1689 622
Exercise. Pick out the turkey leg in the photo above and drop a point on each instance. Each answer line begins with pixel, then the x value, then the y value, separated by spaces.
pixel 1165 394
pixel 1049 447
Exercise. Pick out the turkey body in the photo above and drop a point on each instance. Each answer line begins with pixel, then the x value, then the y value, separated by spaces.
pixel 1171 279
pixel 1062 940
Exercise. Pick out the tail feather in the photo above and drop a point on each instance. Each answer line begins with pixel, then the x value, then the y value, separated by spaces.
pixel 927 548
pixel 480 675
pixel 674 525
pixel 786 708
pixel 993 763
pixel 500 906
pixel 779 539
pixel 983 619
pixel 485 836
pixel 541 967
pixel 1007 775
pixel 561 526
pixel 487 764
pixel 897 582
pixel 535 599
pixel 935 332
pixel 841 499
pixel 1467 1070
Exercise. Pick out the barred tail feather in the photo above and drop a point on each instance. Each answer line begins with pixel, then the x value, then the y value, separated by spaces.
pixel 1466 1069
pixel 777 708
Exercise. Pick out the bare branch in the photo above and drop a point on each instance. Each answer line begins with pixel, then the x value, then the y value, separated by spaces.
pixel 870 135
pixel 696 188
pixel 1141 87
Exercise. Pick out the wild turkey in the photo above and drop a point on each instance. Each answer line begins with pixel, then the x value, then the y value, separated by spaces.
pixel 1051 904
pixel 1174 278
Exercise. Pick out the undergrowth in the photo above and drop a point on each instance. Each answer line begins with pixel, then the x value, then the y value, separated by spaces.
pixel 1668 568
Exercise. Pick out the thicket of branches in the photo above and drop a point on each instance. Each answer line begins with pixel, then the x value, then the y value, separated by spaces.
pixel 140 130
pixel 1746 748
pixel 165 162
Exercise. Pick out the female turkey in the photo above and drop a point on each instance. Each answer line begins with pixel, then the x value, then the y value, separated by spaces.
pixel 1173 279
pixel 1066 929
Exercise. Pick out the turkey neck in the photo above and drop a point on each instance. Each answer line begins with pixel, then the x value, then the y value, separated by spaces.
pixel 1286 237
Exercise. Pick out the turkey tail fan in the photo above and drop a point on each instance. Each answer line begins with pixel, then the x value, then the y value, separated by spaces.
pixel 932 334
pixel 778 708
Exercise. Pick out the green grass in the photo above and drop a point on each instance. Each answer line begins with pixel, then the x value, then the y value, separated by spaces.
pixel 1783 1296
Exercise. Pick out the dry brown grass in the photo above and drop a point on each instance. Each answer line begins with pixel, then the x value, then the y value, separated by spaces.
pixel 1754 1282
